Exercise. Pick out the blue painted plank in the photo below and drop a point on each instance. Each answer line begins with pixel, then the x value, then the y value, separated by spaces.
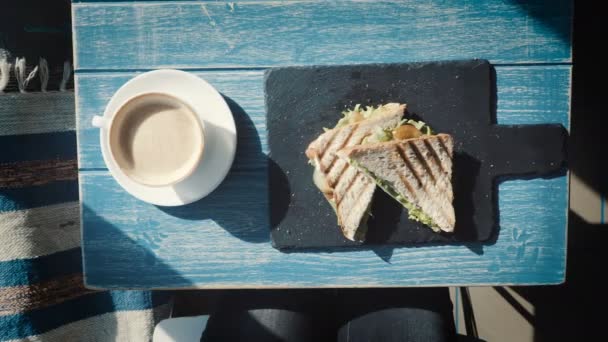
pixel 131 244
pixel 124 236
pixel 259 34
pixel 128 243
pixel 533 95
pixel 530 94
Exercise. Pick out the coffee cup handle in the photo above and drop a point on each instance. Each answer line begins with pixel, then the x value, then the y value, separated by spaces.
pixel 99 121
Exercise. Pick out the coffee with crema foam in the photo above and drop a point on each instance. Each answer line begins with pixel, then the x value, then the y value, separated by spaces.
pixel 156 139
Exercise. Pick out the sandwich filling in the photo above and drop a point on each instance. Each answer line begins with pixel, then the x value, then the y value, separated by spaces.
pixel 406 129
pixel 414 212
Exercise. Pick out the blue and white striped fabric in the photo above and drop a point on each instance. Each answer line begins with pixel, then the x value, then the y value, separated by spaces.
pixel 42 297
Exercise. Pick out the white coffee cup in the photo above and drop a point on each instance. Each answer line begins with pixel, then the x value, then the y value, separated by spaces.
pixel 161 168
pixel 155 139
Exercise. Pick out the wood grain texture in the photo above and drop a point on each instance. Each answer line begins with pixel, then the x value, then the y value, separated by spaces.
pixel 530 94
pixel 253 34
pixel 223 240
pixel 130 244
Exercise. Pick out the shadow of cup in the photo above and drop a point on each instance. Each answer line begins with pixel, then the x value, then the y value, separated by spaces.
pixel 239 205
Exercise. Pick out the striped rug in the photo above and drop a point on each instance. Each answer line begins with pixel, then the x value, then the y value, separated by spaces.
pixel 42 297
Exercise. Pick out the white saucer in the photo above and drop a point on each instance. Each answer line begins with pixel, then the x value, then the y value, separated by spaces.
pixel 220 136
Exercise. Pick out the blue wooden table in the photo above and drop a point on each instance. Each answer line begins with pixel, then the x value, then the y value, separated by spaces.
pixel 223 240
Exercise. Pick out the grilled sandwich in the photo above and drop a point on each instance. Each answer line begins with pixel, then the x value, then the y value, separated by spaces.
pixel 348 190
pixel 417 172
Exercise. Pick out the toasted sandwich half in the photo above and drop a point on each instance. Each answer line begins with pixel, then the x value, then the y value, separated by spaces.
pixel 349 191
pixel 416 172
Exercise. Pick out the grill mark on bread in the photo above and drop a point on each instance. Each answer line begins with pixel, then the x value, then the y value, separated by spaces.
pixel 334 157
pixel 344 168
pixel 444 152
pixel 423 161
pixel 445 139
pixel 407 185
pixel 431 188
pixel 441 181
pixel 448 162
pixel 442 144
pixel 403 178
pixel 329 141
pixel 360 193
pixel 350 135
pixel 444 168
pixel 430 147
pixel 327 169
pixel 408 163
pixel 437 189
pixel 347 189
pixel 339 177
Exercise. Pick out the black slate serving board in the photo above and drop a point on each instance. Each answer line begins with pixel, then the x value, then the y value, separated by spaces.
pixel 455 97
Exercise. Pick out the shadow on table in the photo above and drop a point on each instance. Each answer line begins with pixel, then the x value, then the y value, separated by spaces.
pixel 575 309
pixel 551 14
pixel 587 125
pixel 133 260
pixel 587 107
pixel 240 204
